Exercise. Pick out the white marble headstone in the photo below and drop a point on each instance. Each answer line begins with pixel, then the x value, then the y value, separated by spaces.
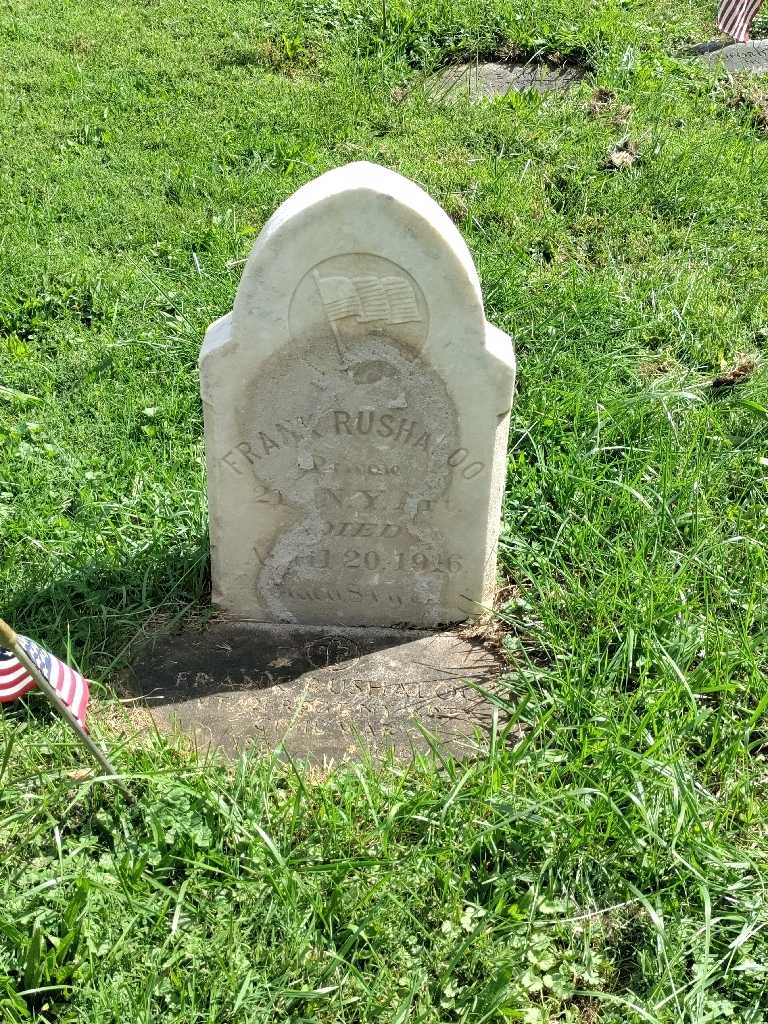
pixel 356 415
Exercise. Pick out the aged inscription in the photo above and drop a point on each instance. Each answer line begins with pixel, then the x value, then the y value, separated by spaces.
pixel 350 470
pixel 253 679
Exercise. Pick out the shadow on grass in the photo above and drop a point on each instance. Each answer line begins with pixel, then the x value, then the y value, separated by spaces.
pixel 96 616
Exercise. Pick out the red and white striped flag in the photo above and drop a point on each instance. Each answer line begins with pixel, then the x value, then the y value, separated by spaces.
pixel 735 17
pixel 15 680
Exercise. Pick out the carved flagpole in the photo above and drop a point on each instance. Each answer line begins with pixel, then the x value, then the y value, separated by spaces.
pixel 331 319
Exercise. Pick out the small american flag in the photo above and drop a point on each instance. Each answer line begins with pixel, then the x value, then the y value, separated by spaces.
pixel 15 681
pixel 735 17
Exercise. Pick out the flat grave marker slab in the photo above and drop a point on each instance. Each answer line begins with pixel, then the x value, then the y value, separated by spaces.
pixel 322 695
pixel 752 56
pixel 484 81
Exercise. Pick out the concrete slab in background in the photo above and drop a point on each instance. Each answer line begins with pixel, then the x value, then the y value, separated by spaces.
pixel 485 81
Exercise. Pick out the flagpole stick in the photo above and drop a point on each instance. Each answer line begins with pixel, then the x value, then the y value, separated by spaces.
pixel 332 322
pixel 10 640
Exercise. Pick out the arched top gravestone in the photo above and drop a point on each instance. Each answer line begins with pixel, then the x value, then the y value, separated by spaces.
pixel 356 415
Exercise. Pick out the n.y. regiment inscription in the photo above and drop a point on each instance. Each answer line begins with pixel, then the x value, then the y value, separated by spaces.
pixel 356 408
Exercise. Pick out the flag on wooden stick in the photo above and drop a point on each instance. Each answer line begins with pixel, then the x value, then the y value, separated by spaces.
pixel 735 17
pixel 15 679
pixel 25 665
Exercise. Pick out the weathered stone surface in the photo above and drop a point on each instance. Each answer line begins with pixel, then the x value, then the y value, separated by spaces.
pixel 485 81
pixel 356 415
pixel 751 56
pixel 321 695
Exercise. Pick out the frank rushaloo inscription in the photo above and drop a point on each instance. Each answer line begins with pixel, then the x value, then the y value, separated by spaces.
pixel 356 412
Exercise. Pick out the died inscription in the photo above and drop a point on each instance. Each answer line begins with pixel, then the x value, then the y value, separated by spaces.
pixel 357 483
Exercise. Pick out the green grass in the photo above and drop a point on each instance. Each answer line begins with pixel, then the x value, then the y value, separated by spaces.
pixel 610 867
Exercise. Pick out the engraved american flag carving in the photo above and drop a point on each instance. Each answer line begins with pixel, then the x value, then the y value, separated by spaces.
pixel 15 681
pixel 735 17
pixel 368 297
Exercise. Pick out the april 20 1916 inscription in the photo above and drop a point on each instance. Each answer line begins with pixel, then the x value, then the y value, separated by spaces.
pixel 356 482
pixel 368 460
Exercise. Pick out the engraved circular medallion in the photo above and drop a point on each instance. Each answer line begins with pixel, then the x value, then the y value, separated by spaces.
pixel 348 298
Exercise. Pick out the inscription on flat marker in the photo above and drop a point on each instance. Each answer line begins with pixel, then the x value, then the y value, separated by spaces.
pixel 320 693
pixel 356 415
